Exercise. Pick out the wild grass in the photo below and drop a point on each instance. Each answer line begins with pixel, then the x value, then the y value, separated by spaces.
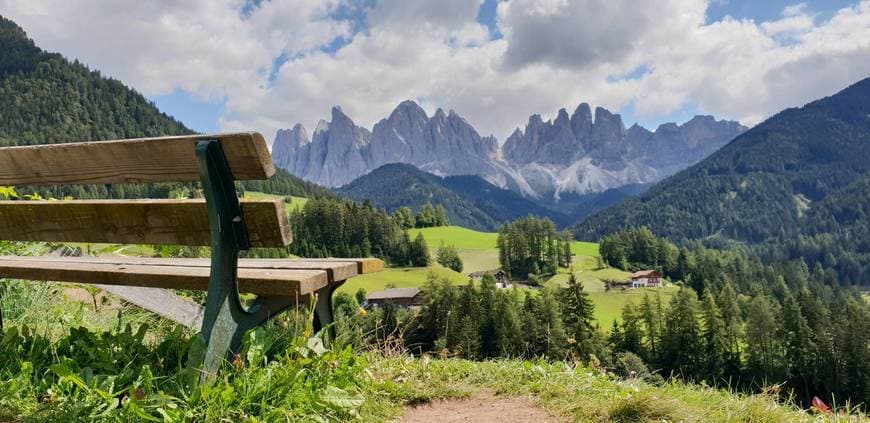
pixel 578 393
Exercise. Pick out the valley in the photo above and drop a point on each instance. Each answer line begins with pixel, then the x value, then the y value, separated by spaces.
pixel 479 253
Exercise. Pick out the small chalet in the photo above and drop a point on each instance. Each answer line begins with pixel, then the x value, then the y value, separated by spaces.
pixel 501 277
pixel 646 279
pixel 399 297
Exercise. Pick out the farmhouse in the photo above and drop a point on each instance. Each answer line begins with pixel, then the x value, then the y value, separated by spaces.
pixel 399 297
pixel 646 278
pixel 501 277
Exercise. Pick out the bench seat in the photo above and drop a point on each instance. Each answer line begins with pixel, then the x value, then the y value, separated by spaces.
pixel 283 277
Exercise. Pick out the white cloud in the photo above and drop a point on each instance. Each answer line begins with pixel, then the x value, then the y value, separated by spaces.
pixel 585 33
pixel 795 9
pixel 202 46
pixel 555 53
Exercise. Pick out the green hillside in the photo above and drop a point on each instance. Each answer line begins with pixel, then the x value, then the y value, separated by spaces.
pixel 457 236
pixel 470 201
pixel 792 184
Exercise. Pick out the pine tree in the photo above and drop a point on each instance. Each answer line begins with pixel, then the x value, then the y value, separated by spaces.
pixel 578 312
pixel 631 339
pixel 545 332
pixel 404 217
pixel 850 335
pixel 419 252
pixel 715 342
pixel 651 317
pixel 763 347
pixel 731 317
pixel 441 216
pixel 799 347
pixel 683 266
pixel 468 332
pixel 682 348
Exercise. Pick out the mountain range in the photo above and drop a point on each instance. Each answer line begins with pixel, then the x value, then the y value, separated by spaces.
pixel 575 154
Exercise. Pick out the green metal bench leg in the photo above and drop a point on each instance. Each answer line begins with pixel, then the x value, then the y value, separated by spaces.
pixel 225 320
pixel 323 315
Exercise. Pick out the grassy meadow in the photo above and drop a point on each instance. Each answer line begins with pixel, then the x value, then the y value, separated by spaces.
pixel 478 252
pixel 295 202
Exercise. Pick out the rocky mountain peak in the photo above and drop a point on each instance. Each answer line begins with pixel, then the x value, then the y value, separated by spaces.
pixel 408 110
pixel 562 118
pixel 322 126
pixel 581 152
pixel 581 123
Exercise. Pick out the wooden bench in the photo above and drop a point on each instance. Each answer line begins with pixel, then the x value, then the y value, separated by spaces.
pixel 220 220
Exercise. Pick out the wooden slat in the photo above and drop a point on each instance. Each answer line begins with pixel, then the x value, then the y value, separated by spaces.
pixel 161 301
pixel 335 270
pixel 175 222
pixel 165 159
pixel 364 265
pixel 256 281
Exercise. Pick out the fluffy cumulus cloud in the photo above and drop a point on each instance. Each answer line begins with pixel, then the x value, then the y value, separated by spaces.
pixel 284 61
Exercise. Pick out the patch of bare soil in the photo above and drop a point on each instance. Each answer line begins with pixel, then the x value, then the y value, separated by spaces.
pixel 482 407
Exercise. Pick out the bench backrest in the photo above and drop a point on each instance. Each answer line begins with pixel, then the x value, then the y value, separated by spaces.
pixel 166 159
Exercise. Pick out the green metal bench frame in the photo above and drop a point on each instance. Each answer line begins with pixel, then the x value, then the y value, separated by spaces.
pixel 226 320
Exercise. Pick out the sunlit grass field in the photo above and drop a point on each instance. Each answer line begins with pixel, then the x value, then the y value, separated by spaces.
pixel 478 252
pixel 408 277
pixel 295 203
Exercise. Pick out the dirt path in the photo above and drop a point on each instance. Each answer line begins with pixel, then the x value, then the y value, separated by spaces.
pixel 482 407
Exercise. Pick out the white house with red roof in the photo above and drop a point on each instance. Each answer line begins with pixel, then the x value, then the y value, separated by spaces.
pixel 646 279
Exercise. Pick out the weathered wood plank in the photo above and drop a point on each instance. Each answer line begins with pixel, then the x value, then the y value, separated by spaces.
pixel 165 159
pixel 336 270
pixel 161 301
pixel 364 265
pixel 281 282
pixel 176 222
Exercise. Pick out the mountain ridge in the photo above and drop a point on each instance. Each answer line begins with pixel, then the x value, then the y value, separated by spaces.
pixel 577 154
pixel 469 200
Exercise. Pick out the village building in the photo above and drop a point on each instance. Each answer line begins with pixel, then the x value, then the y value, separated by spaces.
pixel 399 297
pixel 646 279
pixel 501 277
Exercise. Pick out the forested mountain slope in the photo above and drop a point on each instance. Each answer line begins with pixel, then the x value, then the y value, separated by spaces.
pixel 469 200
pixel 44 99
pixel 792 181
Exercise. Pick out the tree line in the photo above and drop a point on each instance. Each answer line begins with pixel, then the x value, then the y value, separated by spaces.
pixel 533 246
pixel 333 227
pixel 428 217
